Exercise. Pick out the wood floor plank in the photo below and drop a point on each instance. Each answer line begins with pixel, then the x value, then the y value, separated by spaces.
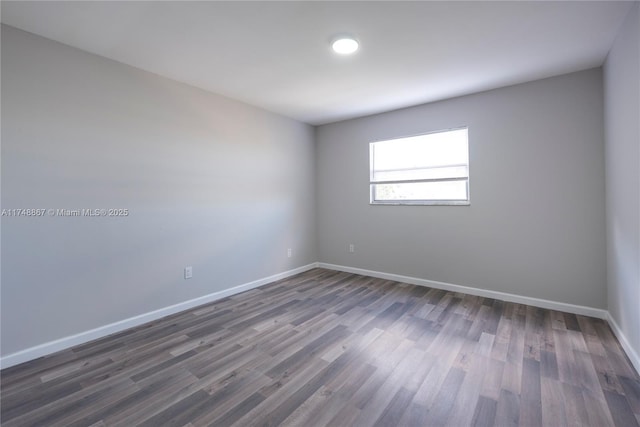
pixel 508 409
pixel 548 365
pixel 620 410
pixel 224 399
pixel 134 400
pixel 445 349
pixel 631 390
pixel 574 406
pixel 491 385
pixel 565 358
pixel 234 414
pixel 280 392
pixel 328 348
pixel 472 385
pixel 392 414
pixel 484 414
pixel 401 366
pixel 444 401
pixel 299 396
pixel 553 408
pixel 330 399
pixel 65 411
pixel 597 409
pixel 179 412
pixel 179 390
pixel 414 415
pixel 512 376
pixel 531 396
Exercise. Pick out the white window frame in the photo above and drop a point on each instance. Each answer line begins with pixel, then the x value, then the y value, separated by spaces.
pixel 429 202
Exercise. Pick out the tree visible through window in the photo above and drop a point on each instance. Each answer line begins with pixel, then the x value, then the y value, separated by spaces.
pixel 426 169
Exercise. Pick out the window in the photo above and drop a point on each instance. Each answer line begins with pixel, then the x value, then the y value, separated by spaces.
pixel 430 169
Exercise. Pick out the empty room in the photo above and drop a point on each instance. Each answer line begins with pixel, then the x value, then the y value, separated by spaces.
pixel 320 213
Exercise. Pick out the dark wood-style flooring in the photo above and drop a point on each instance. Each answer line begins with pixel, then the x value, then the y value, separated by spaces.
pixel 339 349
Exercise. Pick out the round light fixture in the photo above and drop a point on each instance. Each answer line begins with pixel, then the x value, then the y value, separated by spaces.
pixel 344 44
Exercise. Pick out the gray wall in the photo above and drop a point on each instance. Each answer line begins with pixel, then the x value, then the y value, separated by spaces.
pixel 622 125
pixel 208 181
pixel 536 224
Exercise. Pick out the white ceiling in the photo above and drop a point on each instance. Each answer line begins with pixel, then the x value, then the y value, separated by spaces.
pixel 276 55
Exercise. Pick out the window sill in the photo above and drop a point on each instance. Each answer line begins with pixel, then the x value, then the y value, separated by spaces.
pixel 423 203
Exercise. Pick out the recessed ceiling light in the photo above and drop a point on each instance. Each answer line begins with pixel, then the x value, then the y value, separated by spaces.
pixel 344 44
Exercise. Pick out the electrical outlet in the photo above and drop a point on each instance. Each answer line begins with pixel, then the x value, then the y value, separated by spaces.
pixel 289 253
pixel 188 272
pixel 352 248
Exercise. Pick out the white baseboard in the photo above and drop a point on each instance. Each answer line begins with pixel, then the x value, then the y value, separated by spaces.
pixel 631 353
pixel 536 302
pixel 112 328
pixel 102 331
